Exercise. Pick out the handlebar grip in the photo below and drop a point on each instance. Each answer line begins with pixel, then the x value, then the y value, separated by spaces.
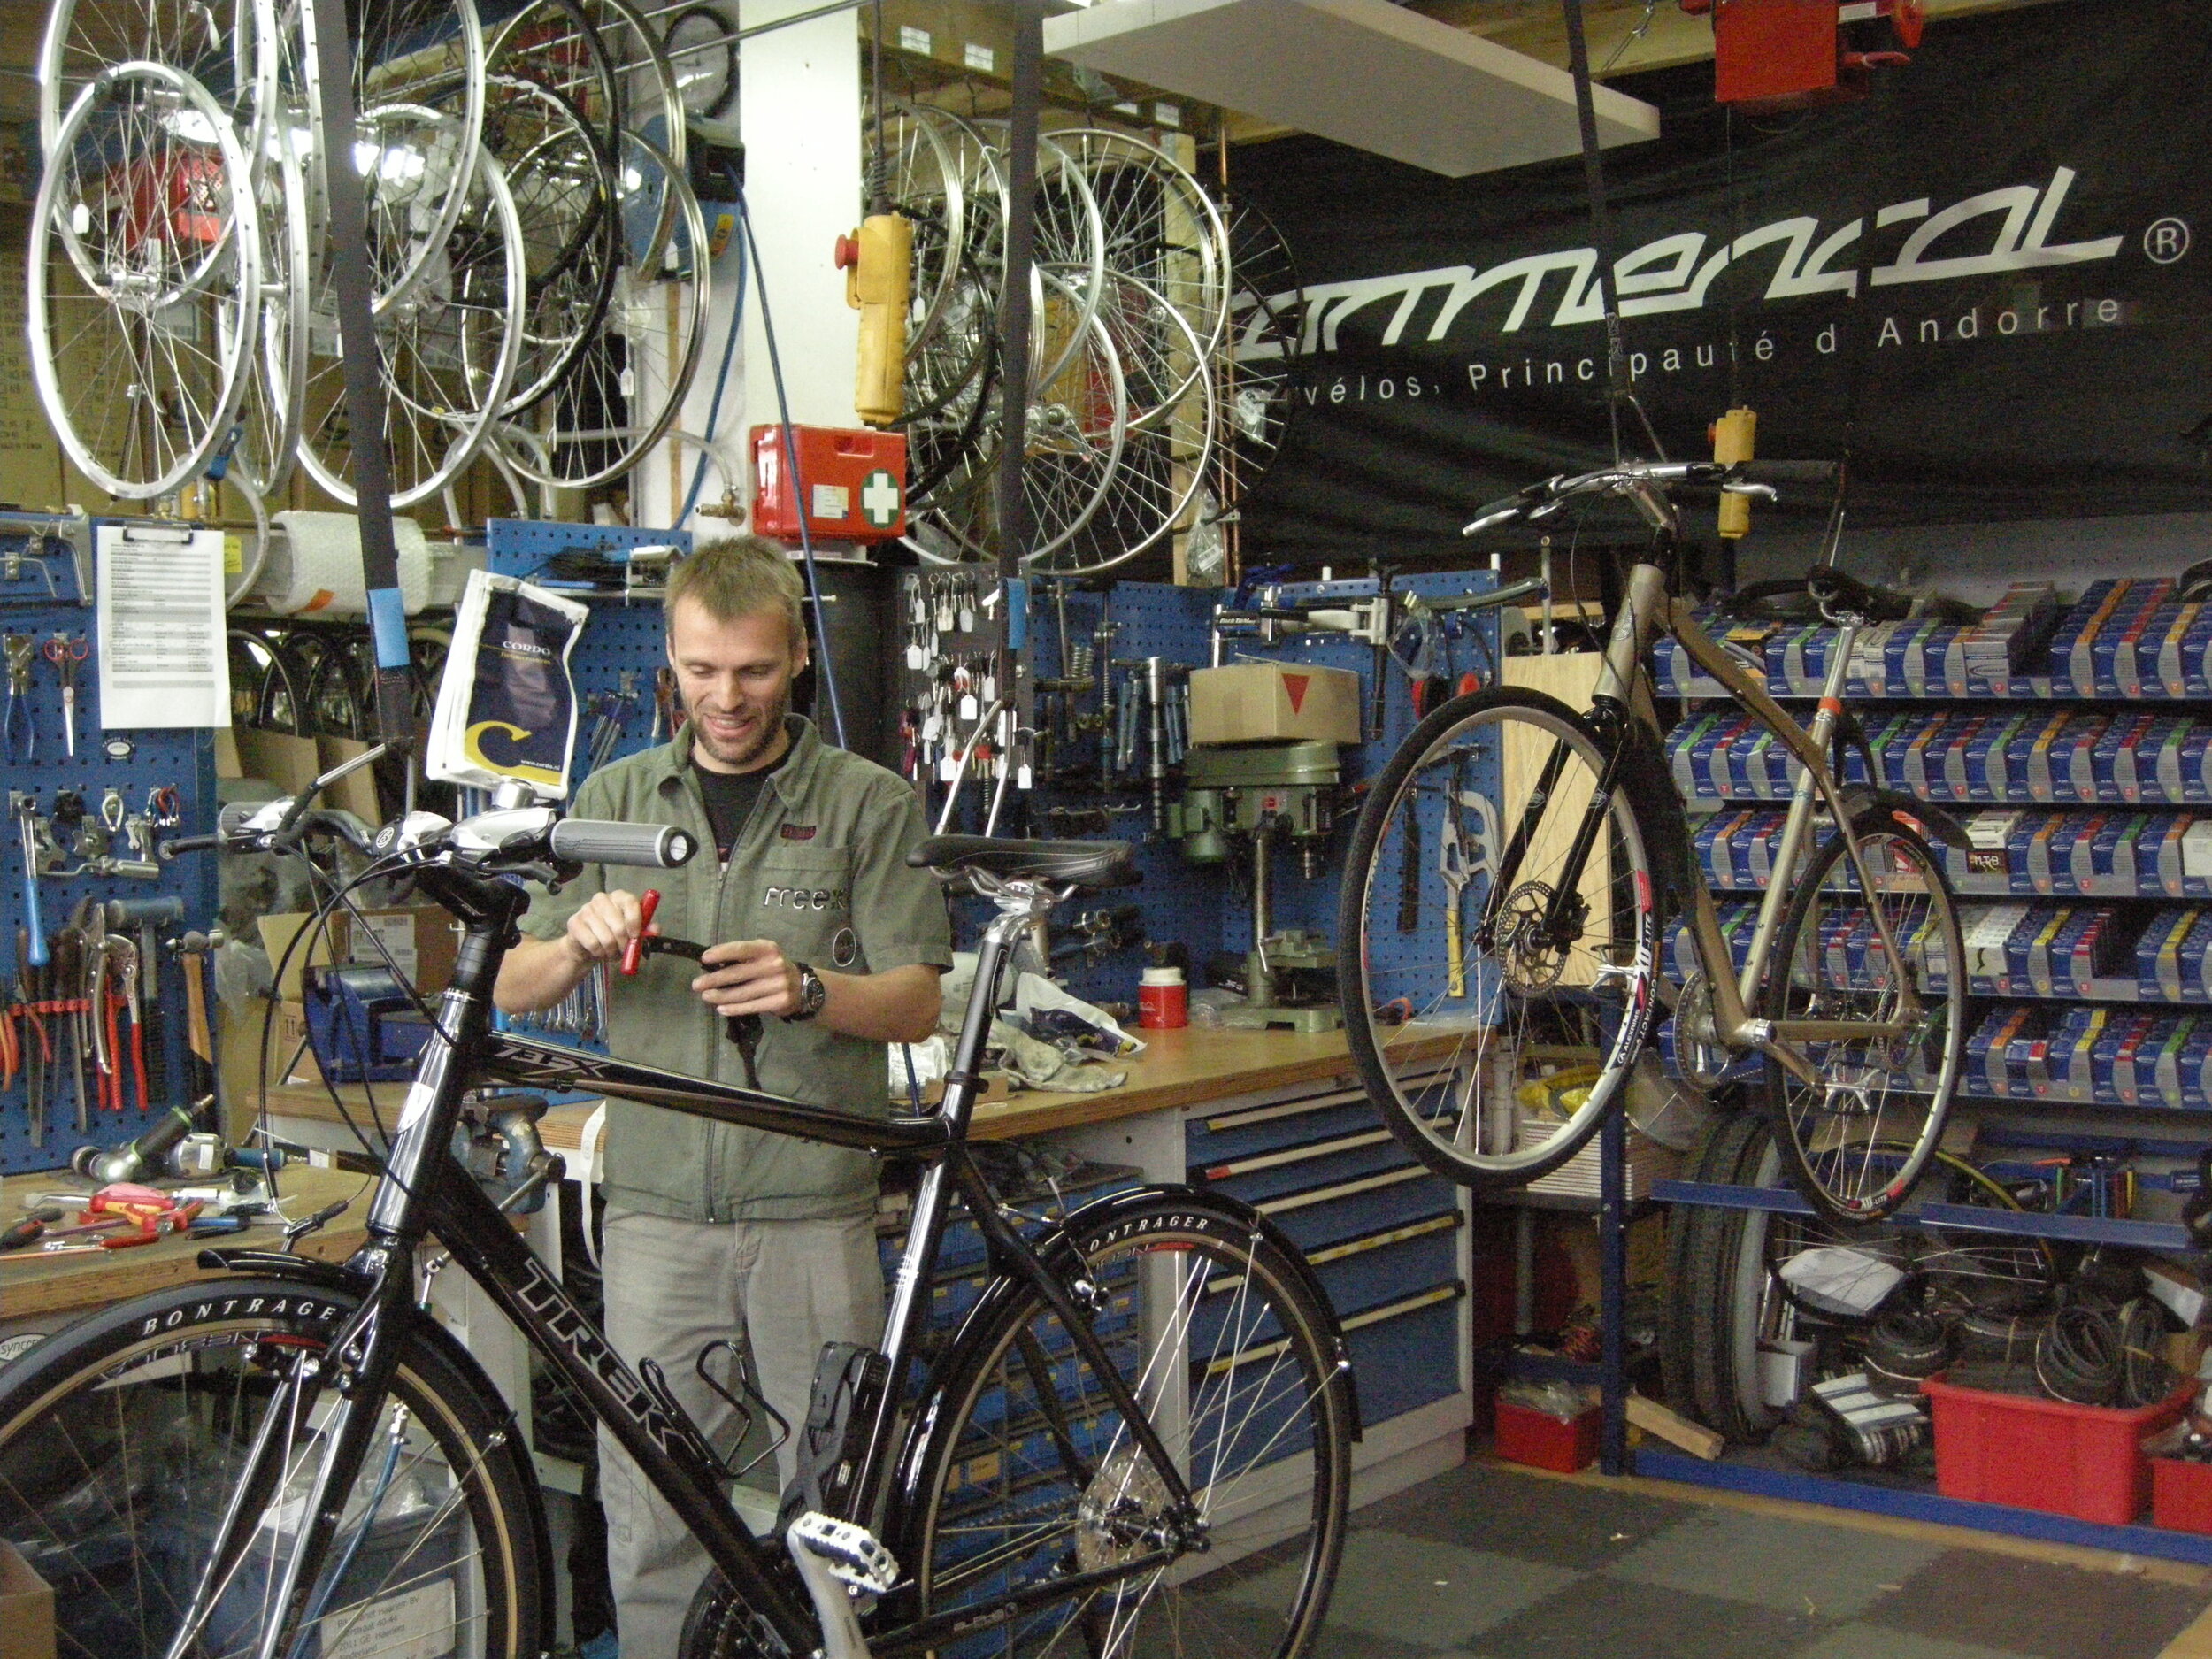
pixel 1787 472
pixel 176 846
pixel 633 952
pixel 585 840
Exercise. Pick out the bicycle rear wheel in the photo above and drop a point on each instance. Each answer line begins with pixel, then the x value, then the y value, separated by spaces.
pixel 1035 1475
pixel 1493 1062
pixel 1841 1139
pixel 124 1438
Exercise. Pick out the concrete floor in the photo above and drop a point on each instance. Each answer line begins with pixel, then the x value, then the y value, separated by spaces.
pixel 1490 1562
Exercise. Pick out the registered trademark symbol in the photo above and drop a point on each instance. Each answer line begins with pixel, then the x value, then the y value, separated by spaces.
pixel 2166 239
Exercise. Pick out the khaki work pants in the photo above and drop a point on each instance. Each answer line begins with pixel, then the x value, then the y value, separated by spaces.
pixel 784 1288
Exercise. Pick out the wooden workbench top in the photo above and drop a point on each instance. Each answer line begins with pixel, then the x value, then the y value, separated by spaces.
pixel 33 1283
pixel 1178 1069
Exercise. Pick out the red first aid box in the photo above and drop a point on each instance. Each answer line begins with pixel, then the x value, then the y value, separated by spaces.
pixel 854 483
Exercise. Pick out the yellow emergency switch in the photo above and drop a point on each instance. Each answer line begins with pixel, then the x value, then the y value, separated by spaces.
pixel 1733 434
pixel 878 260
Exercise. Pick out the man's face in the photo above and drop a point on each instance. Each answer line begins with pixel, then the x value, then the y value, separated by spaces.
pixel 734 678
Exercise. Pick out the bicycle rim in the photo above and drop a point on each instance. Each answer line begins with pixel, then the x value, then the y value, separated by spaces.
pixel 1495 1074
pixel 1039 1476
pixel 1838 1139
pixel 123 1441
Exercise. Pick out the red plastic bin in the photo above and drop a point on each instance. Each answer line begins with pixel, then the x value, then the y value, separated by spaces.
pixel 1542 1441
pixel 2083 1461
pixel 2181 1494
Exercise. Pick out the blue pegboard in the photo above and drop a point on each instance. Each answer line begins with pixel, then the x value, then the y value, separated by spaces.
pixel 182 759
pixel 1199 905
pixel 622 636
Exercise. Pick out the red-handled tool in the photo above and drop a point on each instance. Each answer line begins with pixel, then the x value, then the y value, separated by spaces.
pixel 633 952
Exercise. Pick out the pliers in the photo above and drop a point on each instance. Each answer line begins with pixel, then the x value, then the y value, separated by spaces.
pixel 21 652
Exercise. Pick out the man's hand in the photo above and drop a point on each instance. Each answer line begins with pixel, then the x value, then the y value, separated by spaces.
pixel 749 975
pixel 602 930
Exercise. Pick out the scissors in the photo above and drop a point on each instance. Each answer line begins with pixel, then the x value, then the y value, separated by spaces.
pixel 66 651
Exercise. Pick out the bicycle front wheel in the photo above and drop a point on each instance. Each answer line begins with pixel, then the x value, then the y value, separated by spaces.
pixel 1496 936
pixel 125 1439
pixel 1855 1143
pixel 1035 1475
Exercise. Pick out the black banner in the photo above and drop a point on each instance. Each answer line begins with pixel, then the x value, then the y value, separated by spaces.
pixel 1992 273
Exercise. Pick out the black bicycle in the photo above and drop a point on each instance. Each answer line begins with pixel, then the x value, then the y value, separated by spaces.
pixel 294 1460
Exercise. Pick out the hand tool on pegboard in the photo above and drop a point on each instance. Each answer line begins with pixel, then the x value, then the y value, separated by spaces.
pixel 193 949
pixel 149 916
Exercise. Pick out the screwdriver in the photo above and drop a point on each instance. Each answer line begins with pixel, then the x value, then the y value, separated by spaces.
pixel 30 1228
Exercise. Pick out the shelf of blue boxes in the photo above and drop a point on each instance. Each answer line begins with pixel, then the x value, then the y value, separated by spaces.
pixel 2084 789
pixel 2062 737
pixel 127 776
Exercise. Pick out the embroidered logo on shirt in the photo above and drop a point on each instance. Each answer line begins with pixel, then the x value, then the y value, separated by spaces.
pixel 797 831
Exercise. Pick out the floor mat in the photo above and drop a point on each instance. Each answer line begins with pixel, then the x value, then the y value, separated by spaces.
pixel 1485 1563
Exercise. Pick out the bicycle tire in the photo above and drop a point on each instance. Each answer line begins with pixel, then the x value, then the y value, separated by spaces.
pixel 122 1438
pixel 1003 1483
pixel 1691 1360
pixel 1835 1165
pixel 1435 1093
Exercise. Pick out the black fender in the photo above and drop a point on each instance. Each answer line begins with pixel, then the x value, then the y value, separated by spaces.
pixel 1868 807
pixel 1056 1249
pixel 334 1276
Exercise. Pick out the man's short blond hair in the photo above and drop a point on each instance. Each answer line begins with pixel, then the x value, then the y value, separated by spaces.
pixel 739 576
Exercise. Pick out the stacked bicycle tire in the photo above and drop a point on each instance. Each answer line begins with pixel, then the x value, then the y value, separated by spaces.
pixel 538 260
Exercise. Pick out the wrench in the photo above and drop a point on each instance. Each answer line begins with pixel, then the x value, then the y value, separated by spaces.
pixel 1451 864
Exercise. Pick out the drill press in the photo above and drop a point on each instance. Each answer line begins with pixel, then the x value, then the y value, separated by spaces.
pixel 1254 796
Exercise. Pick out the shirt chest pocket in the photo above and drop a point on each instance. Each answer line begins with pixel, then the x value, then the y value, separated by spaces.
pixel 803 901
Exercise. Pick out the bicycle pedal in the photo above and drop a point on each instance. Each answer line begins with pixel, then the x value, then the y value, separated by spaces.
pixel 854 1555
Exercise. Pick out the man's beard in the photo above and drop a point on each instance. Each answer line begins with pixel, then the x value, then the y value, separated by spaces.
pixel 756 741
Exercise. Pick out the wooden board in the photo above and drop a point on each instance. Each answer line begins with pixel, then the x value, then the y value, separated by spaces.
pixel 72 1284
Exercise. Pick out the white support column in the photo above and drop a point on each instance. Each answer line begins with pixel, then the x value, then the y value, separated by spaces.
pixel 800 113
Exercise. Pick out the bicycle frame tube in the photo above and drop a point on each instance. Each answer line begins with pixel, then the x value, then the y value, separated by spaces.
pixel 1810 747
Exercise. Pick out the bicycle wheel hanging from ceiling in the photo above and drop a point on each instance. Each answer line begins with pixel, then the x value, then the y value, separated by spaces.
pixel 563 185
pixel 629 383
pixel 270 414
pixel 141 369
pixel 411 55
pixel 1259 365
pixel 1152 488
pixel 1161 227
pixel 449 349
pixel 1077 426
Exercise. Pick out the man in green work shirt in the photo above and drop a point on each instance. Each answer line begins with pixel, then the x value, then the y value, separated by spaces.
pixel 818 925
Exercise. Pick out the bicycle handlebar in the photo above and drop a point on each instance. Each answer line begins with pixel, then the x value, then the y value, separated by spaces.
pixel 585 840
pixel 1645 482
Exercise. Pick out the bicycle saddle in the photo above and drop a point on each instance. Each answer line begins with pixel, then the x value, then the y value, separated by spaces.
pixel 1088 863
pixel 1838 590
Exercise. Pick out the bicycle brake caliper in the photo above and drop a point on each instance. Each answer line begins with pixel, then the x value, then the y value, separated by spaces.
pixel 843 1565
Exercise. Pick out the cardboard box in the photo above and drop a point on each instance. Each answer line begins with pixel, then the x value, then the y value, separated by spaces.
pixel 1257 703
pixel 27 1609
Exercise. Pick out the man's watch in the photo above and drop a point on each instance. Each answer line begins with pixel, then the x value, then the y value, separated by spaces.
pixel 812 995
